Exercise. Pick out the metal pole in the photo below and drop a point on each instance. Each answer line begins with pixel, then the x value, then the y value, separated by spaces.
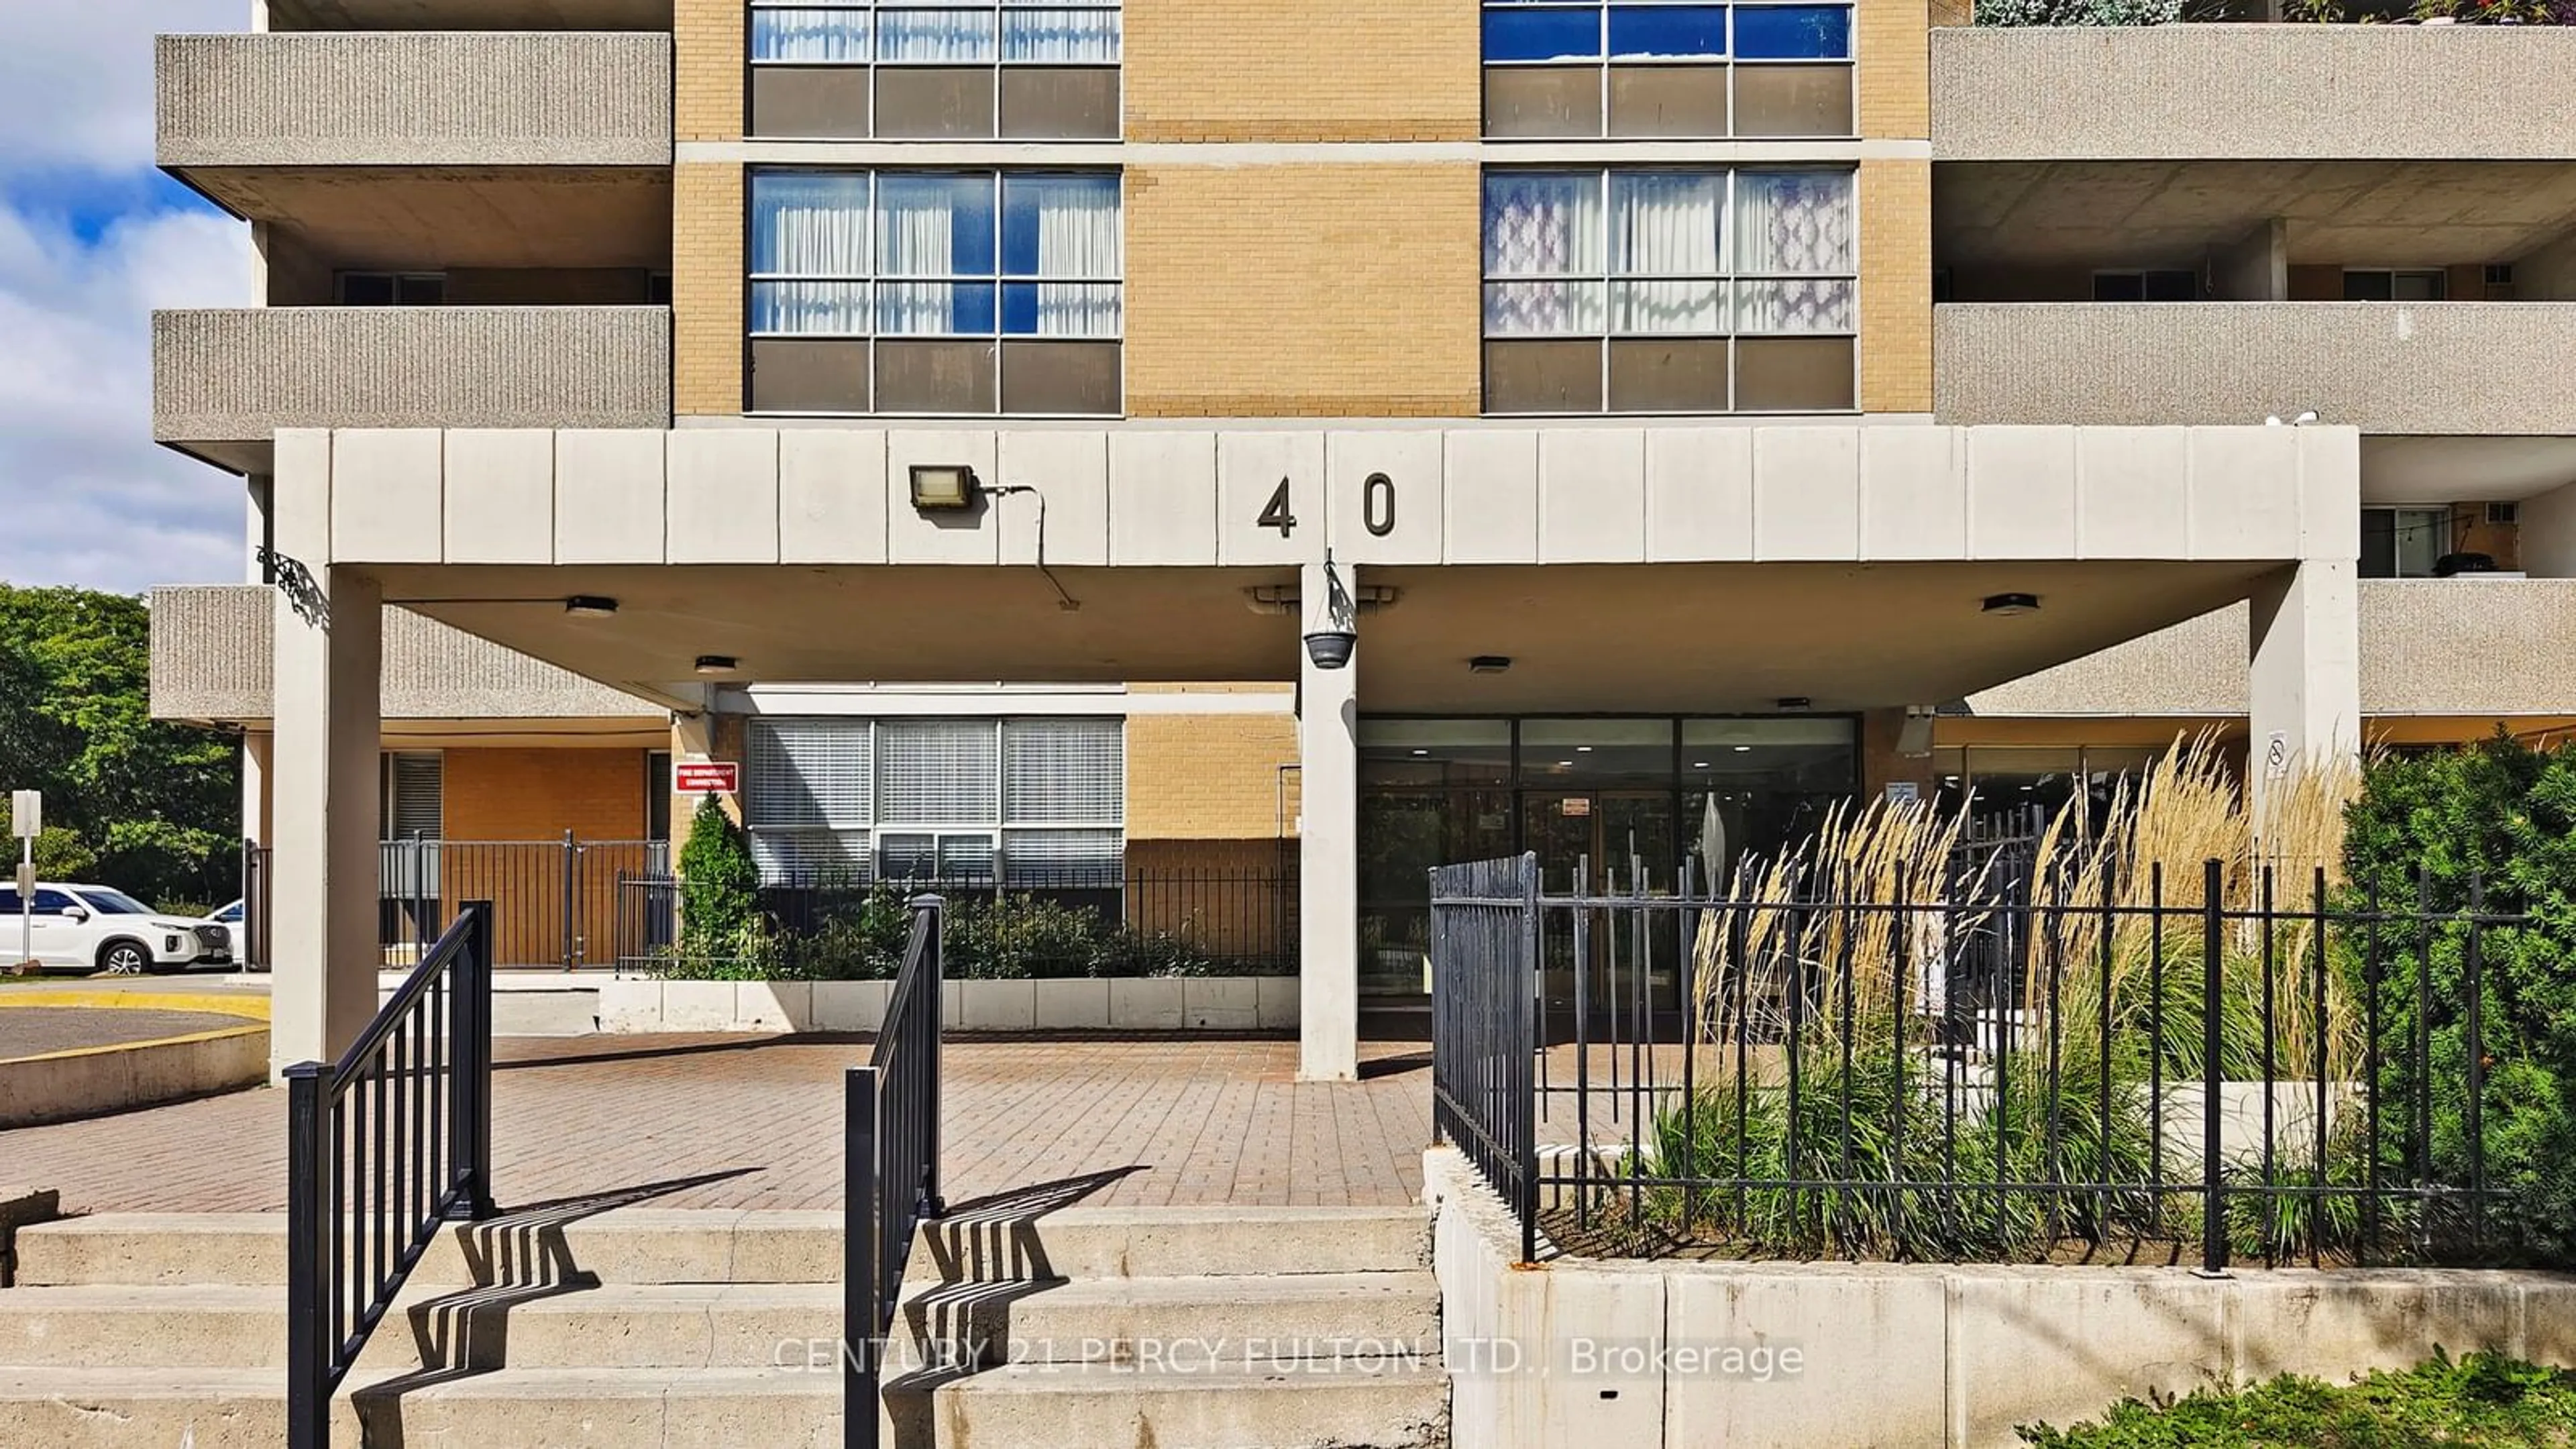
pixel 26 899
pixel 308 1277
pixel 474 1062
pixel 859 1260
pixel 571 899
pixel 2213 1211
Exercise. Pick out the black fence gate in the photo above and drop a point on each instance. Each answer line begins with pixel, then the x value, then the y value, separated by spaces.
pixel 556 902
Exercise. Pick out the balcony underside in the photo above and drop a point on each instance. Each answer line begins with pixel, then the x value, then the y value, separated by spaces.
pixel 439 218
pixel 469 14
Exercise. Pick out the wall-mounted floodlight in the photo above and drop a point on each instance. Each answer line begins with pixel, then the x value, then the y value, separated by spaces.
pixel 944 487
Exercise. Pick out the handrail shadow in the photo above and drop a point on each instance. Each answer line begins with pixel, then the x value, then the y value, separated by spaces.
pixel 520 1257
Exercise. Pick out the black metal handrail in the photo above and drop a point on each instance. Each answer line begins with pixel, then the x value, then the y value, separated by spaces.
pixel 383 1146
pixel 1484 950
pixel 891 1132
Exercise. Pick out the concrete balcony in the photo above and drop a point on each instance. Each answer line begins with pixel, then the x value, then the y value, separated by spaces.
pixel 229 103
pixel 2462 647
pixel 224 381
pixel 2253 92
pixel 469 15
pixel 211 662
pixel 2457 368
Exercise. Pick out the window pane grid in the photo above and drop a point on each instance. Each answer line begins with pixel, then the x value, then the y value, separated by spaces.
pixel 1015 34
pixel 953 799
pixel 1774 68
pixel 1654 273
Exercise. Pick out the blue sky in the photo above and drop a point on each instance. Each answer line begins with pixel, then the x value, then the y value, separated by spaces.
pixel 92 238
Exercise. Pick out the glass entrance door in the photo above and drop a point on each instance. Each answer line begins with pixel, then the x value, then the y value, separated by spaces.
pixel 1606 842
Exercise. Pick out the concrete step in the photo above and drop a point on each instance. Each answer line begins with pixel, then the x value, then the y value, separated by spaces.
pixel 1046 1407
pixel 1171 1242
pixel 666 1245
pixel 744 1325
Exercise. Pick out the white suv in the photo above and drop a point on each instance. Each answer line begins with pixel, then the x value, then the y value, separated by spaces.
pixel 95 928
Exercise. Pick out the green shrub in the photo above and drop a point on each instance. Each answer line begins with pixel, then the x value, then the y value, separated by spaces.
pixel 2481 1401
pixel 719 894
pixel 2078 12
pixel 2505 813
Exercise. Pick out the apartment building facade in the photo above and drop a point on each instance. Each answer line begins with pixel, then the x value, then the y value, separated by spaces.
pixel 1700 413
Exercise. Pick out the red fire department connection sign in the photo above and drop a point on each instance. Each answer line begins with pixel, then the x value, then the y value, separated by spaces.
pixel 720 777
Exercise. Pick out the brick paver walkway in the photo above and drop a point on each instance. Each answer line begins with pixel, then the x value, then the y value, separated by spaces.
pixel 1202 1120
pixel 27 1031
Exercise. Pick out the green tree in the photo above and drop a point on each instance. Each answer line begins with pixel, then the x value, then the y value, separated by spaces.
pixel 2492 827
pixel 155 804
pixel 719 884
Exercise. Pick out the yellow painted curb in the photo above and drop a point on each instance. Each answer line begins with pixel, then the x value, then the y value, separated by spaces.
pixel 218 1034
pixel 110 999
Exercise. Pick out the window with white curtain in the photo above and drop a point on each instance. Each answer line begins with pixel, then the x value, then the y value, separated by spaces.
pixel 1667 68
pixel 1031 802
pixel 1669 290
pixel 960 71
pixel 936 292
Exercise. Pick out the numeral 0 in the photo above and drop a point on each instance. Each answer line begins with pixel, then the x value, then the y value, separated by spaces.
pixel 1377 505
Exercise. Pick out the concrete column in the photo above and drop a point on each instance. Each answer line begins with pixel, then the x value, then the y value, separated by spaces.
pixel 255 528
pixel 259 750
pixel 1328 870
pixel 2304 655
pixel 2255 267
pixel 324 776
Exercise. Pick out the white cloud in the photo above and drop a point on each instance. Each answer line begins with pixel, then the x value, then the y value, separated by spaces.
pixel 76 77
pixel 86 497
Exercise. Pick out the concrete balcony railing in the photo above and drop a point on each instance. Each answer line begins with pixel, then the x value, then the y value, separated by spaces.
pixel 350 99
pixel 2463 646
pixel 211 661
pixel 224 381
pixel 2253 92
pixel 2385 367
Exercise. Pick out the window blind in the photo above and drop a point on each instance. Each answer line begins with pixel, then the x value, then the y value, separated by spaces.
pixel 1064 771
pixel 810 772
pixel 937 772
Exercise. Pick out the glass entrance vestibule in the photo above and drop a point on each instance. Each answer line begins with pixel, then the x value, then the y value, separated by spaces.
pixel 1629 801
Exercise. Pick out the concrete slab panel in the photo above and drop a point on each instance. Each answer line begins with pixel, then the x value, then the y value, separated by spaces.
pixel 773 1006
pixel 969 536
pixel 2334 1325
pixel 1070 514
pixel 2330 493
pixel 723 496
pixel 1589 1341
pixel 385 495
pixel 1592 495
pixel 1699 494
pixel 500 495
pixel 996 1006
pixel 1806 493
pixel 609 495
pixel 850 1005
pixel 1867 1369
pixel 1162 498
pixel 2126 504
pixel 2244 492
pixel 2075 1343
pixel 1407 507
pixel 1913 494
pixel 1250 470
pixel 831 496
pixel 1072 1005
pixel 299 499
pixel 697 1005
pixel 1220 1003
pixel 1489 494
pixel 1145 1003
pixel 2021 493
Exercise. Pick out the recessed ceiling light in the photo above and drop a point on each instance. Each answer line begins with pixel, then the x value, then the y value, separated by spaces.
pixel 2009 605
pixel 1422 752
pixel 1489 664
pixel 1583 749
pixel 590 606
pixel 718 664
pixel 1699 764
pixel 1565 764
pixel 1794 702
pixel 1743 749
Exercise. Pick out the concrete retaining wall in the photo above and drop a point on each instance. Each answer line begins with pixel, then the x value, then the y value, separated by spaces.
pixel 1680 1354
pixel 1161 1003
pixel 93 1081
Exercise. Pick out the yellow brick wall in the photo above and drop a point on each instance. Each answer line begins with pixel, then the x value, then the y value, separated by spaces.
pixel 1896 286
pixel 1894 52
pixel 1315 70
pixel 1206 777
pixel 1303 290
pixel 706 288
pixel 707 78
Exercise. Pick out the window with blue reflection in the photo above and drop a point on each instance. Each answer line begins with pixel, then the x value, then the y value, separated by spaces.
pixel 1516 33
pixel 1667 32
pixel 1793 32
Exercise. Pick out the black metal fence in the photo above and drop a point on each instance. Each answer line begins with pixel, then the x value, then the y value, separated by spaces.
pixel 557 903
pixel 1114 920
pixel 382 1147
pixel 2205 1067
pixel 890 1125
